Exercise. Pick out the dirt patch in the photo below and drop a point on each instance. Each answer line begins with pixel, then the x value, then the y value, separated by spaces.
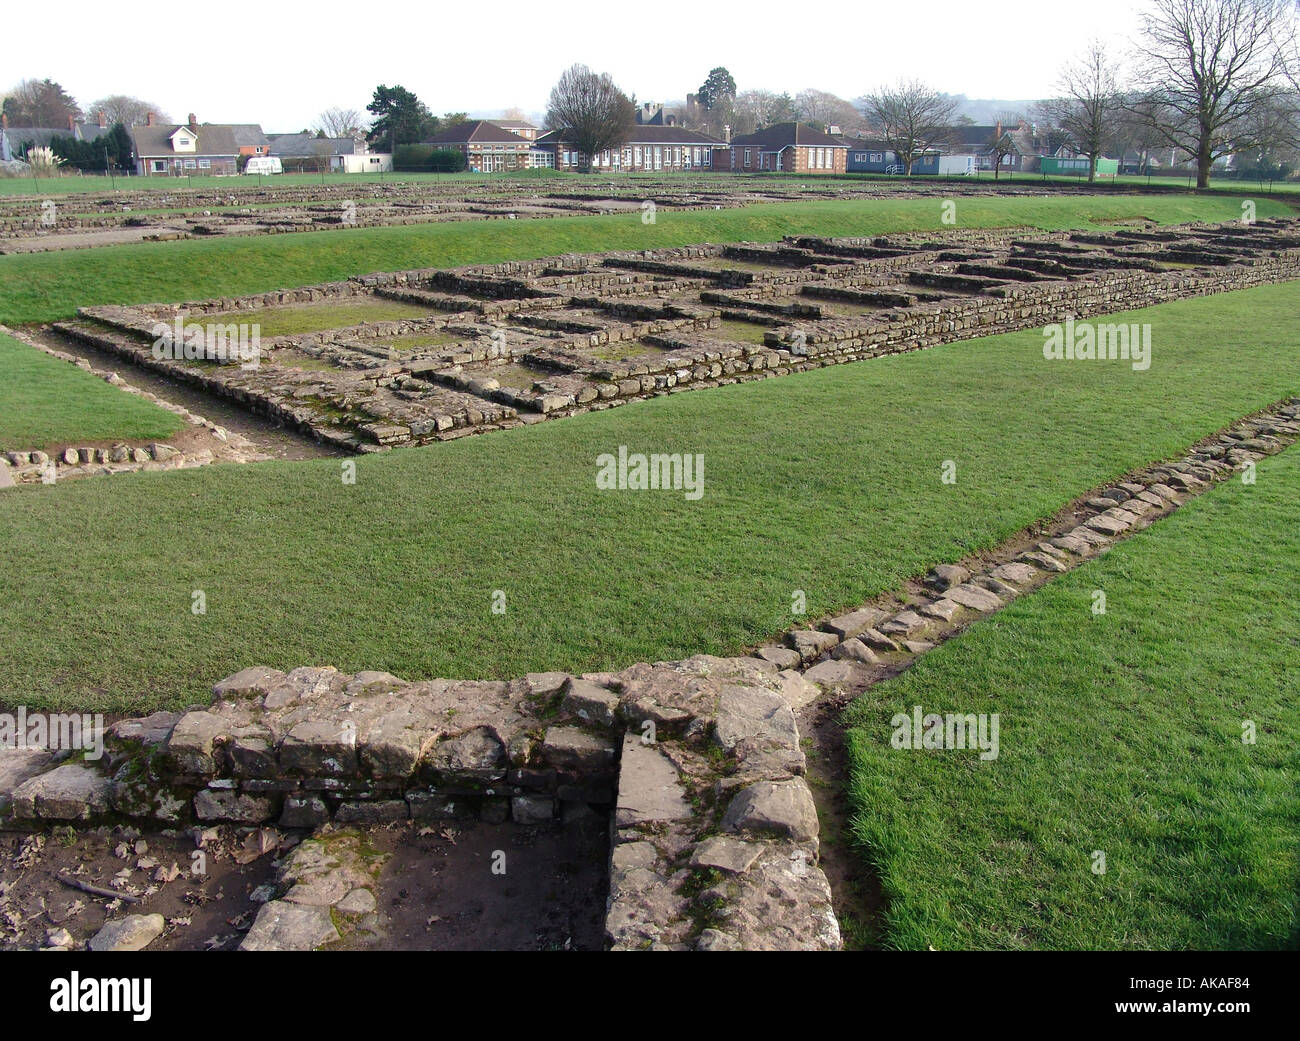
pixel 476 886
pixel 204 911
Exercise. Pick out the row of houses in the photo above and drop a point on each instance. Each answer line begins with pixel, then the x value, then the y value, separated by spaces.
pixel 178 149
pixel 655 144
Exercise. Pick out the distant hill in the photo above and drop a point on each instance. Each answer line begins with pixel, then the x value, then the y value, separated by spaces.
pixel 987 110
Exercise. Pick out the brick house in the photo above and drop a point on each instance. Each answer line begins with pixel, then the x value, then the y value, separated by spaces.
pixel 788 147
pixel 648 148
pixel 177 149
pixel 521 127
pixel 487 147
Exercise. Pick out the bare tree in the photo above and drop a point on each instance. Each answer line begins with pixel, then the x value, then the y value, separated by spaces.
pixel 341 122
pixel 911 117
pixel 591 110
pixel 1212 68
pixel 824 109
pixel 756 109
pixel 1089 104
pixel 129 111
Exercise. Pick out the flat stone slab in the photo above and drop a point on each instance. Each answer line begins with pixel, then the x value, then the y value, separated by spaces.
pixel 18 765
pixel 945 576
pixel 1105 524
pixel 905 623
pixel 796 690
pixel 753 712
pixel 810 643
pixel 135 932
pixel 781 808
pixel 974 597
pixel 67 792
pixel 282 926
pixel 649 788
pixel 591 703
pixel 941 609
pixel 847 625
pixel 570 746
pixel 855 650
pixel 1019 574
pixel 781 657
pixel 838 673
pixel 1045 562
pixel 726 854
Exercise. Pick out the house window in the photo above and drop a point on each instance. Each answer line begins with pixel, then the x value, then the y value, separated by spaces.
pixel 205 164
pixel 877 157
pixel 189 164
pixel 160 166
pixel 747 158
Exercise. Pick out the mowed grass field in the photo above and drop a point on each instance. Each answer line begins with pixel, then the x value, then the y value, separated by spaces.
pixel 43 287
pixel 46 403
pixel 1119 733
pixel 826 482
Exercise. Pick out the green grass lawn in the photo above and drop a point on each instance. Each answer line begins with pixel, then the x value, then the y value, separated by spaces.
pixel 45 402
pixel 1120 733
pixel 826 482
pixel 42 287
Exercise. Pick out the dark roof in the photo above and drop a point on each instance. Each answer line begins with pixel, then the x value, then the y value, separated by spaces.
pixel 645 134
pixel 38 137
pixel 310 146
pixel 475 130
pixel 783 135
pixel 213 138
pixel 979 137
pixel 510 123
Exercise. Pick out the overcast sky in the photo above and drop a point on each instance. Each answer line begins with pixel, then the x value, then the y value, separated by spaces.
pixel 281 64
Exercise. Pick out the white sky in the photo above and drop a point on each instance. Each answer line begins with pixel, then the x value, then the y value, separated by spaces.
pixel 280 64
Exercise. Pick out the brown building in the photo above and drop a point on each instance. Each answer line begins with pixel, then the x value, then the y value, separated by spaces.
pixel 521 127
pixel 487 147
pixel 648 148
pixel 788 147
pixel 176 149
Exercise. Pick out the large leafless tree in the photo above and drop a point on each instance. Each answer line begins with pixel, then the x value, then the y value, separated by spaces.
pixel 129 111
pixel 1088 106
pixel 756 109
pixel 911 118
pixel 1214 76
pixel 826 109
pixel 592 112
pixel 341 122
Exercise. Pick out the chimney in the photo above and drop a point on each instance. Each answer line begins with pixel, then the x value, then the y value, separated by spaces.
pixel 103 119
pixel 148 120
pixel 194 123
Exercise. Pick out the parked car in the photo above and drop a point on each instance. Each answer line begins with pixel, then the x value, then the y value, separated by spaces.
pixel 263 164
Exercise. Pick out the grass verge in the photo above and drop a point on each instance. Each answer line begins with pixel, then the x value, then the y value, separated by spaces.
pixel 47 403
pixel 1120 733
